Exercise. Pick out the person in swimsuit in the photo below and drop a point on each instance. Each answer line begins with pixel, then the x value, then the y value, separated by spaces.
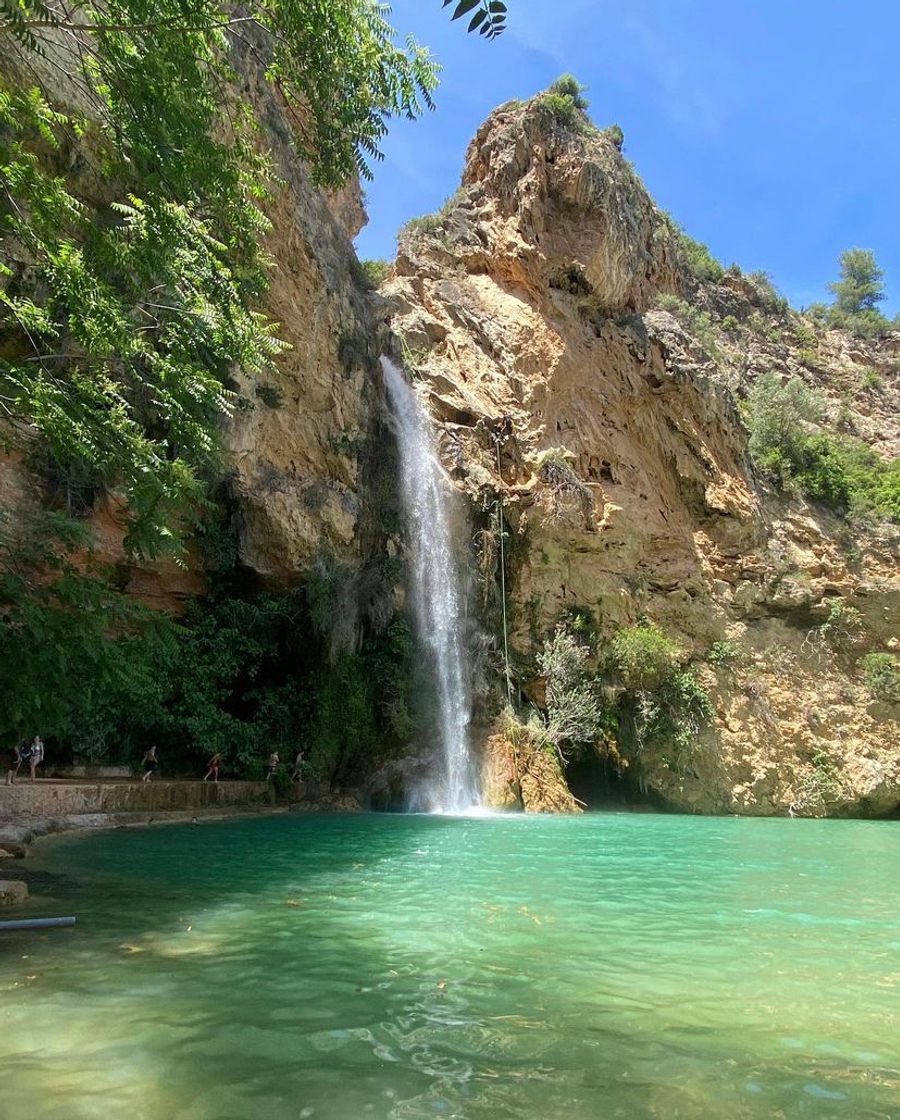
pixel 35 756
pixel 212 768
pixel 271 765
pixel 151 764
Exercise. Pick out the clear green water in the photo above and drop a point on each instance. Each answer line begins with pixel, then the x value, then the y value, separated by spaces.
pixel 376 966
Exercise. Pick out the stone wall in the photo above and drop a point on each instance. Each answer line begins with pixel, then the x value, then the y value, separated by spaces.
pixel 48 799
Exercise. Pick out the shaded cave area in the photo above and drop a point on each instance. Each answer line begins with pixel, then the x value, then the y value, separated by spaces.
pixel 598 784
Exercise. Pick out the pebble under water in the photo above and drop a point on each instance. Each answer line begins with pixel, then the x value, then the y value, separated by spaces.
pixel 336 968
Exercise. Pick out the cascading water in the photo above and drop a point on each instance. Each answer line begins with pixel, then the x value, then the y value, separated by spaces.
pixel 437 591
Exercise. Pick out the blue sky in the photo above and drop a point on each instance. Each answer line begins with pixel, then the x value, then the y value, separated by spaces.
pixel 769 129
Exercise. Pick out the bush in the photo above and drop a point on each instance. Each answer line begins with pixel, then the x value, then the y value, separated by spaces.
pixel 375 271
pixel 668 704
pixel 845 474
pixel 644 656
pixel 769 296
pixel 693 257
pixel 871 379
pixel 838 470
pixel 881 673
pixel 686 709
pixel 724 653
pixel 430 223
pixel 779 420
pixel 567 85
pixel 575 712
pixel 696 322
pixel 566 102
pixel 615 135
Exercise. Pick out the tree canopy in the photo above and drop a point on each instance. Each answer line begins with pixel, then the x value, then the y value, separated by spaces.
pixel 861 286
pixel 130 286
pixel 856 297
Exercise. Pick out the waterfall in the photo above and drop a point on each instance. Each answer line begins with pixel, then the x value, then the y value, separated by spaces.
pixel 436 591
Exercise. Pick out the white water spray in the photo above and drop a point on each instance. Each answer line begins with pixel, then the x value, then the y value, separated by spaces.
pixel 436 590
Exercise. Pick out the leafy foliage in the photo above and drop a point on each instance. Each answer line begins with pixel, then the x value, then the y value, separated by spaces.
pixel 615 135
pixel 725 653
pixel 489 19
pixel 668 704
pixel 881 673
pixel 69 642
pixel 693 257
pixel 820 788
pixel 644 656
pixel 857 295
pixel 128 292
pixel 697 322
pixel 375 271
pixel 771 299
pixel 566 101
pixel 841 471
pixel 575 712
pixel 241 675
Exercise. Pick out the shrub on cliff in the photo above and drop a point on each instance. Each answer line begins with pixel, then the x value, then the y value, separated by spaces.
pixel 575 711
pixel 769 297
pixel 374 272
pixel 566 102
pixel 840 471
pixel 881 673
pixel 644 657
pixel 857 296
pixel 668 704
pixel 693 257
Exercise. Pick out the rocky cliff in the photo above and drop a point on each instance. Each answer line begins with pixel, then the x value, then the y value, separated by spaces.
pixel 584 378
pixel 588 390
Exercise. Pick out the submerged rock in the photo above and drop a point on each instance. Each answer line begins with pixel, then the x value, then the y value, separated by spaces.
pixel 12 892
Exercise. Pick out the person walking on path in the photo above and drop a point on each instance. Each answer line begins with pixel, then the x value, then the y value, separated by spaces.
pixel 15 761
pixel 298 766
pixel 35 756
pixel 272 765
pixel 151 764
pixel 212 767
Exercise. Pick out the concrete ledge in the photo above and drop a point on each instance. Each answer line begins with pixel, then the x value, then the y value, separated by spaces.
pixel 52 799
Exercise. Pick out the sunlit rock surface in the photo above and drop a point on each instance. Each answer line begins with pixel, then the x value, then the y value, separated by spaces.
pixel 527 305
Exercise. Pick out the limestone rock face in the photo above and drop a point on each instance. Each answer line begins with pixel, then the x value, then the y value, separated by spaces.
pixel 294 441
pixel 609 426
pixel 523 776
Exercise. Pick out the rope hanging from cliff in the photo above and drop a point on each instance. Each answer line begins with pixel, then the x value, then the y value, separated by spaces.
pixel 502 572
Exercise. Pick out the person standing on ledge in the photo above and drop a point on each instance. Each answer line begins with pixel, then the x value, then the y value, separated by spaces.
pixel 212 767
pixel 151 764
pixel 35 756
pixel 15 761
pixel 271 765
pixel 298 766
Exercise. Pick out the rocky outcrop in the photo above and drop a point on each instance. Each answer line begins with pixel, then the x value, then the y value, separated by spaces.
pixel 13 892
pixel 519 774
pixel 609 428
